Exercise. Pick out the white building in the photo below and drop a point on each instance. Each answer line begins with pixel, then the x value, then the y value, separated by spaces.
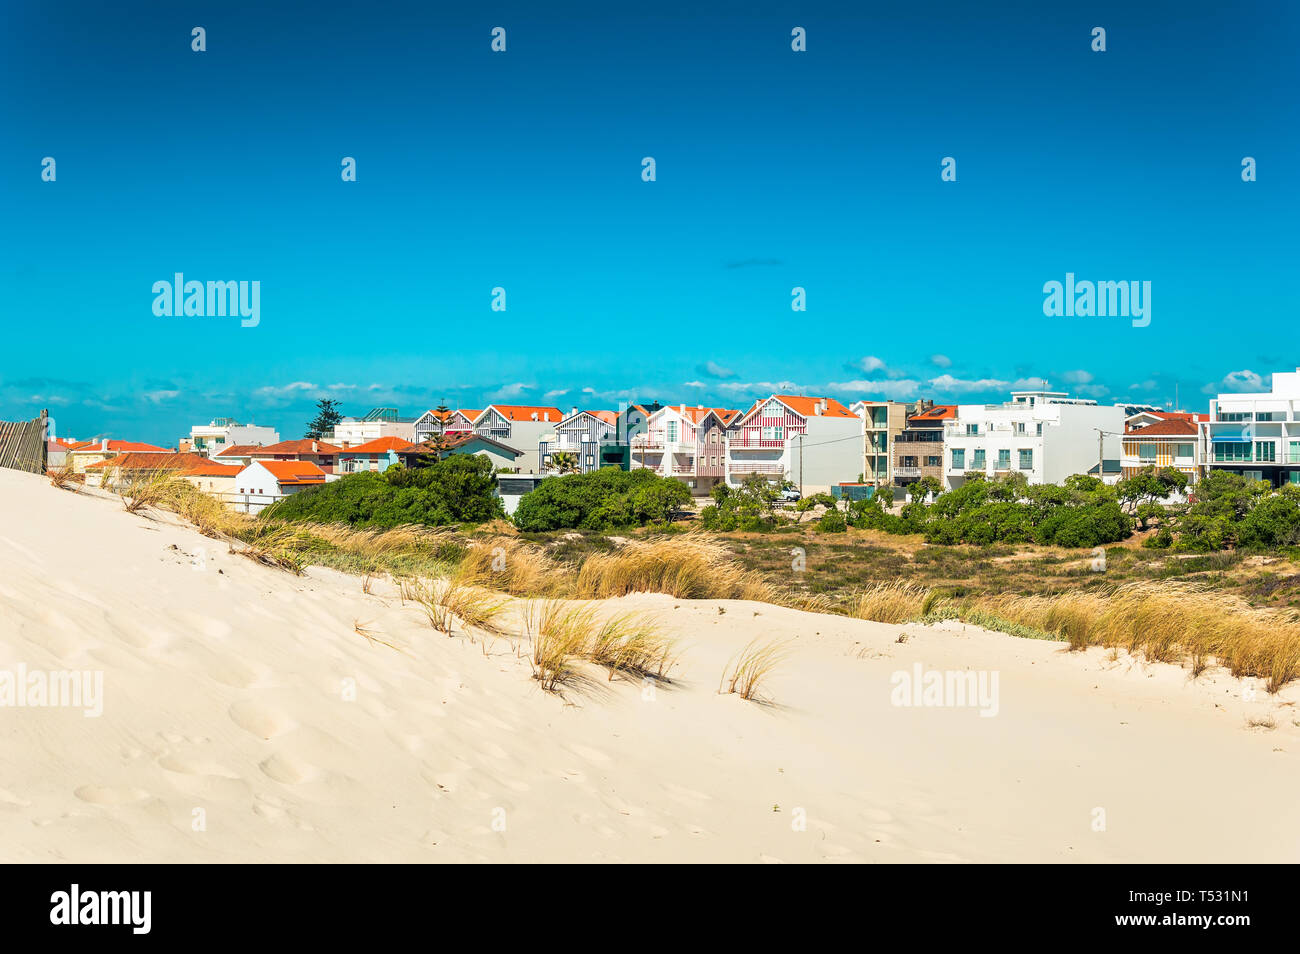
pixel 1256 434
pixel 1044 435
pixel 688 442
pixel 379 422
pixel 210 439
pixel 263 482
pixel 814 442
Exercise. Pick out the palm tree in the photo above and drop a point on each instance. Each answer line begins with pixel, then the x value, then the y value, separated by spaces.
pixel 565 462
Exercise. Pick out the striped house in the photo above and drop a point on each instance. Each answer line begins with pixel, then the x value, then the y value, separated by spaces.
pixel 813 441
pixel 581 434
pixel 1166 443
pixel 520 426
pixel 689 443
pixel 448 423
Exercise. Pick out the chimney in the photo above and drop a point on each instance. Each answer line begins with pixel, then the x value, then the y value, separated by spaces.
pixel 314 447
pixel 825 405
pixel 573 412
pixel 103 444
pixel 534 415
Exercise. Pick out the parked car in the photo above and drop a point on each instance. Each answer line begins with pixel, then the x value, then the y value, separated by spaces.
pixel 791 495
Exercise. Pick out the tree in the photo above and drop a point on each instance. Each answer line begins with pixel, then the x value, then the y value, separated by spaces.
pixel 565 462
pixel 436 442
pixel 920 489
pixel 327 415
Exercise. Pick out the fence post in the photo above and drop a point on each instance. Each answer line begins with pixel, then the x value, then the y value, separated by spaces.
pixel 45 440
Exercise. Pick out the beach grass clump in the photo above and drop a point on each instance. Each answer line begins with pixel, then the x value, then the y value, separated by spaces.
pixel 560 636
pixel 747 671
pixel 65 478
pixel 688 566
pixel 897 601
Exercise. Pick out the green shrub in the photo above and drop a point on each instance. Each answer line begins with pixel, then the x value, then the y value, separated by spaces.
pixel 602 500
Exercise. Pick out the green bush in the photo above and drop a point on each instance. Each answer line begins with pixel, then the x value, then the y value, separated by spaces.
pixel 460 489
pixel 602 500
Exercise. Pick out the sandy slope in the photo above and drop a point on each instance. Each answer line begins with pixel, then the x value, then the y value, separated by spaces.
pixel 224 685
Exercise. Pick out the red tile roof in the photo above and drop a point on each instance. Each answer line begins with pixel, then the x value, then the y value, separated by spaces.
pixel 382 445
pixel 525 412
pixel 148 461
pixel 238 450
pixel 214 470
pixel 304 446
pixel 123 447
pixel 940 412
pixel 292 471
pixel 1176 427
pixel 807 406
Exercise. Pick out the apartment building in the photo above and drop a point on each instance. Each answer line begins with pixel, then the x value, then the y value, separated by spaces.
pixel 882 422
pixel 1045 435
pixel 222 432
pixel 519 426
pixel 686 442
pixel 815 442
pixel 1255 434
pixel 918 448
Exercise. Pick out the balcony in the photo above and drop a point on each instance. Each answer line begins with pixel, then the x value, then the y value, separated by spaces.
pixel 756 443
pixel 907 471
pixel 757 467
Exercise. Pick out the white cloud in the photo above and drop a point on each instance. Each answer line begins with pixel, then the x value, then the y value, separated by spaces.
pixel 514 390
pixel 693 384
pixel 285 390
pixel 869 364
pixel 1240 381
pixel 893 390
pixel 717 370
pixel 1078 377
pixel 558 392
pixel 947 383
pixel 1030 384
pixel 764 387
pixel 941 361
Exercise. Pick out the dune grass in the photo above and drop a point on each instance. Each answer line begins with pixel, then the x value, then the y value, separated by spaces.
pixel 747 671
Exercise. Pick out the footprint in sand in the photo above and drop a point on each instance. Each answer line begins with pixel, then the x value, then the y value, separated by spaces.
pixel 288 770
pixel 260 720
pixel 108 795
pixel 9 800
pixel 194 766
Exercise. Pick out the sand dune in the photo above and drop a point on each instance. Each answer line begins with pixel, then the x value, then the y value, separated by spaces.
pixel 228 731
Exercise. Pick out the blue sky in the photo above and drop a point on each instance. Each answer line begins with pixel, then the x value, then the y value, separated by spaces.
pixel 522 170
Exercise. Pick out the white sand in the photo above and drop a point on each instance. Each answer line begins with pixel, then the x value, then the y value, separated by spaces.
pixel 223 692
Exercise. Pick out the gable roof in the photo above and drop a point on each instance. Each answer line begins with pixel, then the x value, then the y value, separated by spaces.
pixel 382 445
pixel 1175 427
pixel 291 471
pixel 525 412
pixel 802 405
pixel 303 446
pixel 148 461
pixel 460 440
pixel 122 447
pixel 939 412
pixel 237 450
pixel 210 469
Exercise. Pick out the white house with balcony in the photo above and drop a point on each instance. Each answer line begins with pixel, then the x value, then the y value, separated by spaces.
pixel 581 435
pixel 379 422
pixel 815 442
pixel 222 432
pixel 1256 434
pixel 1045 435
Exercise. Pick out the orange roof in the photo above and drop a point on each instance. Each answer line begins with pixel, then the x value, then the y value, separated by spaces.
pixel 214 470
pixel 1177 426
pixel 148 461
pixel 697 414
pixel 940 412
pixel 382 445
pixel 292 471
pixel 304 446
pixel 806 406
pixel 471 414
pixel 525 412
pixel 609 417
pixel 1177 415
pixel 238 450
pixel 123 447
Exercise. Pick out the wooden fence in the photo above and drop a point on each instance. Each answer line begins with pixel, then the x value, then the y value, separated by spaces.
pixel 23 446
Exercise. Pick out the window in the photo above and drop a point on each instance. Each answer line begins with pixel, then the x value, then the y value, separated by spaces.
pixel 1293 455
pixel 1231 451
pixel 933 462
pixel 1040 428
pixel 1185 450
pixel 1233 416
pixel 1020 427
pixel 1265 416
pixel 972 430
pixel 672 432
pixel 977 463
pixel 959 459
pixel 778 432
pixel 1026 460
pixel 1147 451
pixel 767 433
pixel 1265 451
pixel 1004 459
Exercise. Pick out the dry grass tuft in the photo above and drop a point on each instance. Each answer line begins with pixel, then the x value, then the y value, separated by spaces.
pixel 65 478
pixel 896 602
pixel 690 566
pixel 749 669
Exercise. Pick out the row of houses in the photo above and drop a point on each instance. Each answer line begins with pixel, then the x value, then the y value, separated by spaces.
pixel 817 443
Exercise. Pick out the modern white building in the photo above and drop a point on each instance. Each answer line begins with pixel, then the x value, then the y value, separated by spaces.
pixel 1256 434
pixel 210 439
pixel 815 442
pixel 1045 435
pixel 378 422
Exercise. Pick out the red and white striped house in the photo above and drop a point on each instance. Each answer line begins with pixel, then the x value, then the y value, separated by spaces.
pixel 689 443
pixel 814 441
